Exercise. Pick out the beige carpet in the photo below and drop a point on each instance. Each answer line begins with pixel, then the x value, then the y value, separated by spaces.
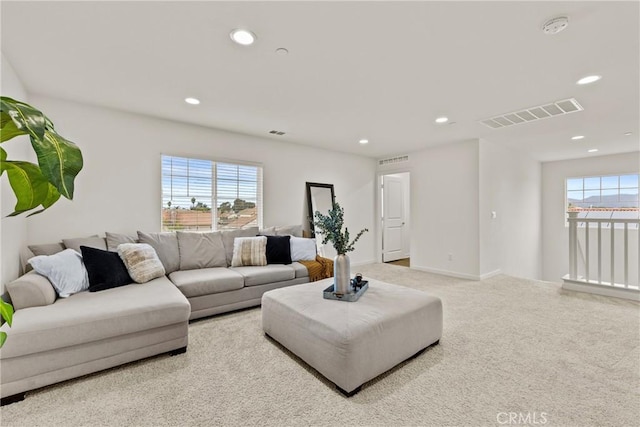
pixel 509 345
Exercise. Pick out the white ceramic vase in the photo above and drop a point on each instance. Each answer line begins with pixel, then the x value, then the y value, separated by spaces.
pixel 341 274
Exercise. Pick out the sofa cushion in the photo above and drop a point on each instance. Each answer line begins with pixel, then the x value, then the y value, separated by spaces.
pixel 249 251
pixel 278 250
pixel 31 290
pixel 105 269
pixel 65 270
pixel 299 269
pixel 115 239
pixel 87 317
pixel 269 231
pixel 228 236
pixel 141 261
pixel 254 276
pixel 91 241
pixel 289 230
pixel 166 246
pixel 46 249
pixel 201 250
pixel 206 281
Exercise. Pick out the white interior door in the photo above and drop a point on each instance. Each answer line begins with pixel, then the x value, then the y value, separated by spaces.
pixel 392 218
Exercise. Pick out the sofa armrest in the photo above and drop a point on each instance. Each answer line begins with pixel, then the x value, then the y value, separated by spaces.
pixel 31 290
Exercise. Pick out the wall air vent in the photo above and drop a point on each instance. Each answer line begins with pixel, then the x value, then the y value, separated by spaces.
pixel 276 132
pixel 553 109
pixel 398 159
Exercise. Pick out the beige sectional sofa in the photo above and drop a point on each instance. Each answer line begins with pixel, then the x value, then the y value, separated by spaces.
pixel 53 340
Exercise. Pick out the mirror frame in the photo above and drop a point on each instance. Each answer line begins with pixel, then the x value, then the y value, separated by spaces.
pixel 311 211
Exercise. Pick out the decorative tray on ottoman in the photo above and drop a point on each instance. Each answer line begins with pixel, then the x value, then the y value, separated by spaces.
pixel 350 297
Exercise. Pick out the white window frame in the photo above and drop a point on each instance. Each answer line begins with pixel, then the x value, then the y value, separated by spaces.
pixel 214 198
pixel 583 177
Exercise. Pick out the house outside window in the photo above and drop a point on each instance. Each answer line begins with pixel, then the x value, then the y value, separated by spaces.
pixel 201 194
pixel 603 197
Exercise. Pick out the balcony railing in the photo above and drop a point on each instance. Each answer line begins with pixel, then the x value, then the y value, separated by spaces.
pixel 604 255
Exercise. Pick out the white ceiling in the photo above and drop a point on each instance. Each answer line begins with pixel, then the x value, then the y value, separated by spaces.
pixel 376 70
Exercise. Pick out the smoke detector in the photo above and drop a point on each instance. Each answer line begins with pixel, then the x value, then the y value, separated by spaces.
pixel 555 25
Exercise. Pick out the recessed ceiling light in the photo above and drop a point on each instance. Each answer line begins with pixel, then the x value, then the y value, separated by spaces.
pixel 593 150
pixel 628 133
pixel 364 141
pixel 588 79
pixel 243 37
pixel 282 51
pixel 577 137
pixel 192 101
pixel 442 119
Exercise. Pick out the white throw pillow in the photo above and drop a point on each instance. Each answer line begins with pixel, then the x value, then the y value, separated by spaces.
pixel 302 249
pixel 65 270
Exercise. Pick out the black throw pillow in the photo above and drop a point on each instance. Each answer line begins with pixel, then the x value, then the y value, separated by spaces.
pixel 105 269
pixel 278 250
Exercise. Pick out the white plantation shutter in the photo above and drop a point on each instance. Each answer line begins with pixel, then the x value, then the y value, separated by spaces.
pixel 227 195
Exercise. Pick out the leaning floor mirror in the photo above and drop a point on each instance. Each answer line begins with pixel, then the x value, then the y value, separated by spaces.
pixel 320 197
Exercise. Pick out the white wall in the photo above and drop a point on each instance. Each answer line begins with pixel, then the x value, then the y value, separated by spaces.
pixel 454 189
pixel 510 186
pixel 444 208
pixel 555 235
pixel 13 230
pixel 119 187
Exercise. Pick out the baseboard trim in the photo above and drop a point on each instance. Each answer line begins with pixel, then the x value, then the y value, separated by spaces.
pixel 604 290
pixel 446 273
pixel 490 274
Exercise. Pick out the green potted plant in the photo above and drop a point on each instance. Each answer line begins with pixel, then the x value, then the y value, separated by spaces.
pixel 59 160
pixel 41 185
pixel 6 314
pixel 330 226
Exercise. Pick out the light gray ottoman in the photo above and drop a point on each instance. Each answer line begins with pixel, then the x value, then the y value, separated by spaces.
pixel 351 343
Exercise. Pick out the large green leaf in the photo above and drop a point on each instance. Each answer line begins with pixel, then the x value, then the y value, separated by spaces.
pixel 60 161
pixel 19 118
pixel 6 311
pixel 51 198
pixel 29 185
pixel 3 338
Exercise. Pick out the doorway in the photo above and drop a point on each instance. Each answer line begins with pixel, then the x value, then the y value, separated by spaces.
pixel 396 218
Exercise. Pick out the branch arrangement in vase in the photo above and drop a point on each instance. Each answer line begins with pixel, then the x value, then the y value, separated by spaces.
pixel 330 226
pixel 59 160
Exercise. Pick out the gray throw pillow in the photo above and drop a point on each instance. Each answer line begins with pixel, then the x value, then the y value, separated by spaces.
pixel 166 246
pixel 201 250
pixel 31 290
pixel 115 239
pixel 228 236
pixel 91 241
pixel 46 249
pixel 293 230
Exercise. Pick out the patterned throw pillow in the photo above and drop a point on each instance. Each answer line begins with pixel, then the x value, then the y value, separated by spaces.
pixel 142 261
pixel 249 251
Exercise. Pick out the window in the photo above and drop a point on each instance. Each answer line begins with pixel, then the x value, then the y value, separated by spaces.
pixel 191 187
pixel 610 197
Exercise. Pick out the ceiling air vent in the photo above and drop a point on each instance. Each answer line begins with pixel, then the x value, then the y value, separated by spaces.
pixel 276 132
pixel 398 159
pixel 553 109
